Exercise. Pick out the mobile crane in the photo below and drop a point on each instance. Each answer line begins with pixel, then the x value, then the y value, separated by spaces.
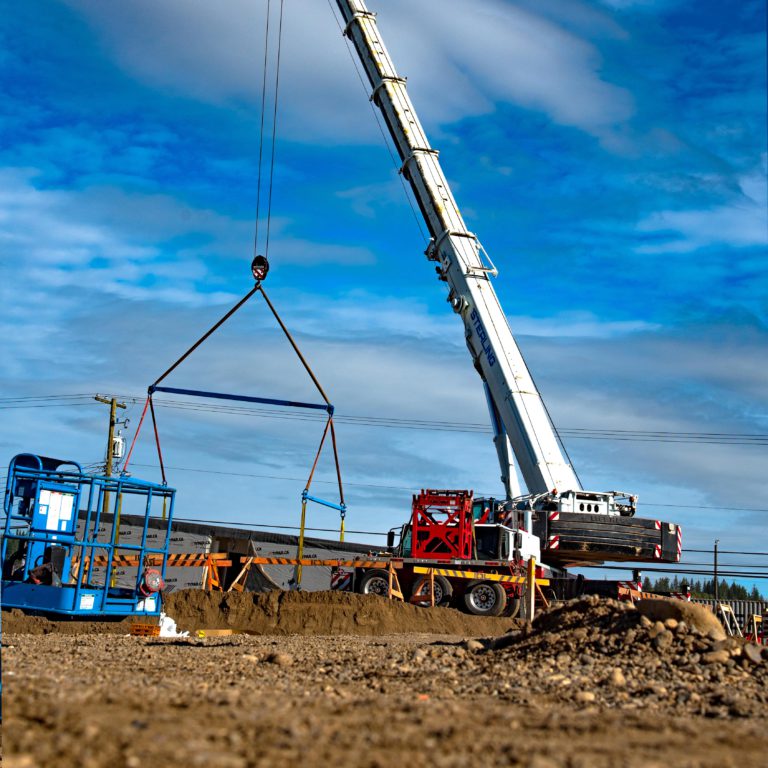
pixel 555 516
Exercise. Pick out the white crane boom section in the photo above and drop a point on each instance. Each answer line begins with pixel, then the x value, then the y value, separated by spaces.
pixel 459 254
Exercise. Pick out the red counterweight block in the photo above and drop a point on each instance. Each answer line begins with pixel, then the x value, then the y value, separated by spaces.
pixel 442 525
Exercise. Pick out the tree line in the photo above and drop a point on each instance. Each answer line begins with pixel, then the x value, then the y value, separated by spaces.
pixel 732 591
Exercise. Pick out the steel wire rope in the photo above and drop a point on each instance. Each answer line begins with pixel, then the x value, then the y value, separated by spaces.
pixel 261 128
pixel 329 428
pixel 274 128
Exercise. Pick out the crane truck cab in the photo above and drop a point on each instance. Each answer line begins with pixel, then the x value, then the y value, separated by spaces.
pixel 478 561
pixel 494 543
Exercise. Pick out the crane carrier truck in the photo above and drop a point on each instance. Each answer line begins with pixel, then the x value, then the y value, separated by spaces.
pixel 554 518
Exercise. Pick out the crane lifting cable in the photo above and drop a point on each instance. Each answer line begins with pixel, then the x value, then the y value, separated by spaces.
pixel 263 111
pixel 259 269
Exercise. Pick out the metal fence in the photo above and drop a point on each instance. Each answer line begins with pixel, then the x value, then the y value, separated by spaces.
pixel 743 609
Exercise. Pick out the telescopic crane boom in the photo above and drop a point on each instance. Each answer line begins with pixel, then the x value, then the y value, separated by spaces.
pixel 518 414
pixel 513 398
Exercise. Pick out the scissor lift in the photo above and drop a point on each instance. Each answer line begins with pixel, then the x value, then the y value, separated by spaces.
pixel 49 561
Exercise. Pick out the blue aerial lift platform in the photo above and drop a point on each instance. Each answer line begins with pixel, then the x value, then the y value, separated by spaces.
pixel 61 542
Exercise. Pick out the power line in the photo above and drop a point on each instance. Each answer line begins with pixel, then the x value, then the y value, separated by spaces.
pixel 728 552
pixel 45 397
pixel 239 524
pixel 727 565
pixel 410 489
pixel 702 506
pixel 450 426
pixel 581 433
pixel 690 572
pixel 413 489
pixel 42 405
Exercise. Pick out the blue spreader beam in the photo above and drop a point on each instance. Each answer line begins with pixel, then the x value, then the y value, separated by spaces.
pixel 243 398
pixel 340 507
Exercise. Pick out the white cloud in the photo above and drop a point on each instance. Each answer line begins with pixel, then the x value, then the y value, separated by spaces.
pixel 643 381
pixel 473 56
pixel 741 223
pixel 122 243
pixel 577 325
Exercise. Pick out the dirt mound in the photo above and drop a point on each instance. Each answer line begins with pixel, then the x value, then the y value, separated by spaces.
pixel 605 652
pixel 695 616
pixel 281 613
pixel 18 622
pixel 320 613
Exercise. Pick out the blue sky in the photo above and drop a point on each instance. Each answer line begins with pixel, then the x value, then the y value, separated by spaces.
pixel 610 155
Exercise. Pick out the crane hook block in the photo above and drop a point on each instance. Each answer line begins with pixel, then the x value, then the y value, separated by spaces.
pixel 259 268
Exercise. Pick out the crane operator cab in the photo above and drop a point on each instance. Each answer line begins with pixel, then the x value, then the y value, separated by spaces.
pixel 506 534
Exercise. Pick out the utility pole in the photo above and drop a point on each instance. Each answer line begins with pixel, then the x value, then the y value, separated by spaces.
pixel 108 462
pixel 717 586
pixel 113 422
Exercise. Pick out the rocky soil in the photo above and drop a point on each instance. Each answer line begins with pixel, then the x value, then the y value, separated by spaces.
pixel 608 654
pixel 591 684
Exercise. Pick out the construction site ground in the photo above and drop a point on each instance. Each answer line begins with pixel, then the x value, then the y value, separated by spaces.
pixel 346 680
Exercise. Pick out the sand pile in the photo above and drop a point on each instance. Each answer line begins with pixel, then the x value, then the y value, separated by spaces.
pixel 282 613
pixel 321 613
pixel 601 651
pixel 18 622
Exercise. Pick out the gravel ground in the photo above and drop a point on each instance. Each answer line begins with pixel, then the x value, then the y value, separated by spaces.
pixel 546 696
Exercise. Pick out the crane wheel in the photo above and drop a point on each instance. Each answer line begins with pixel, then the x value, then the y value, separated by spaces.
pixel 513 607
pixel 443 590
pixel 485 598
pixel 374 582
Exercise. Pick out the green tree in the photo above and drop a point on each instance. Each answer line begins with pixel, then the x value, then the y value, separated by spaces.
pixel 703 589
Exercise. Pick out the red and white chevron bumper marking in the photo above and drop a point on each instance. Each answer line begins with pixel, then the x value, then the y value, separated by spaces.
pixel 657 551
pixel 658 525
pixel 553 542
pixel 553 515
pixel 679 543
pixel 341 580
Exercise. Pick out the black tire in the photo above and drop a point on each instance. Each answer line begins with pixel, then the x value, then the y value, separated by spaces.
pixel 374 582
pixel 443 591
pixel 485 598
pixel 513 607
